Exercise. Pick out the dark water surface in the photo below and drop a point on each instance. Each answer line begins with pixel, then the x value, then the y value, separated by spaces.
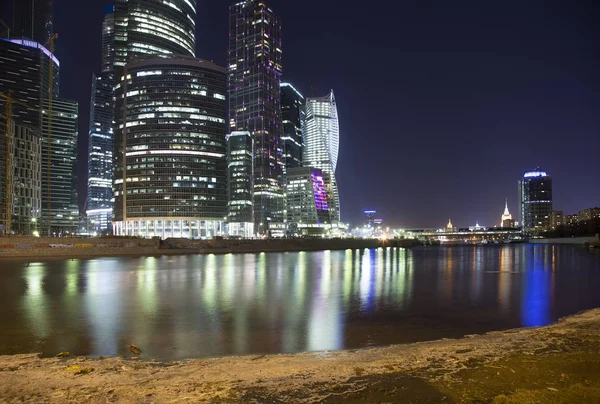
pixel 198 306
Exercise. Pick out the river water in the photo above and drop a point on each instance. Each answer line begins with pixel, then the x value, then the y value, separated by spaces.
pixel 176 307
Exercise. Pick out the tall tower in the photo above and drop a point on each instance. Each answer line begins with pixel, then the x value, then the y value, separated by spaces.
pixel 292 113
pixel 100 150
pixel 154 27
pixel 535 195
pixel 33 19
pixel 255 68
pixel 321 134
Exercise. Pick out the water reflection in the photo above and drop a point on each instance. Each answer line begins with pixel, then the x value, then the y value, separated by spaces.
pixel 194 306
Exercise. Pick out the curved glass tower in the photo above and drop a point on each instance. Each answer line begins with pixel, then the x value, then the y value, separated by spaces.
pixel 170 176
pixel 535 196
pixel 321 134
pixel 154 27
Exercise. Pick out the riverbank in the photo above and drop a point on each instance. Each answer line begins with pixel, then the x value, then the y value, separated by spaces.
pixel 32 247
pixel 558 363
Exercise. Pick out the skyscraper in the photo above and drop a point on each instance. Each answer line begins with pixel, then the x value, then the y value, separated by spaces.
pixel 307 202
pixel 154 27
pixel 60 214
pixel 321 143
pixel 255 68
pixel 170 180
pixel 292 113
pixel 240 184
pixel 33 19
pixel 100 150
pixel 535 196
pixel 144 28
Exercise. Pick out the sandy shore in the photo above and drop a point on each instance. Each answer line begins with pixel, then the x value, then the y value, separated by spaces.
pixel 558 363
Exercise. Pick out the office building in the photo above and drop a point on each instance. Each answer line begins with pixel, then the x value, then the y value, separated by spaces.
pixel 240 184
pixel 292 114
pixel 24 182
pixel 370 218
pixel 99 203
pixel 153 27
pixel 33 20
pixel 535 195
pixel 307 204
pixel 321 144
pixel 25 70
pixel 60 213
pixel 255 68
pixel 170 172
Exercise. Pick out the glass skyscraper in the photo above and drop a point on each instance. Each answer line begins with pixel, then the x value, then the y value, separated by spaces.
pixel 60 214
pixel 255 68
pixel 292 114
pixel 240 184
pixel 33 19
pixel 154 27
pixel 307 201
pixel 99 204
pixel 535 196
pixel 321 134
pixel 170 176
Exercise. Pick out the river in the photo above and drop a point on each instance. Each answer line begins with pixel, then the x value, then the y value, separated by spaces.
pixel 177 307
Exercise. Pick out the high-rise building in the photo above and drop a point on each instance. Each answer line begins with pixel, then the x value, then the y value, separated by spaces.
pixel 154 27
pixel 307 204
pixel 33 19
pixel 25 186
pixel 99 205
pixel 292 114
pixel 322 142
pixel 255 68
pixel 170 176
pixel 535 196
pixel 507 220
pixel 25 70
pixel 588 214
pixel 240 184
pixel 60 214
pixel 100 155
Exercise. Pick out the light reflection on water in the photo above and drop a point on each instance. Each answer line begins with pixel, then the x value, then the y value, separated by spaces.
pixel 197 306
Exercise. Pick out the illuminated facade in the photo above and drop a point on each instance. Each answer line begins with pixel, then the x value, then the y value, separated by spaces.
pixel 170 171
pixel 240 184
pixel 321 143
pixel 100 150
pixel 154 27
pixel 292 113
pixel 59 180
pixel 255 68
pixel 307 202
pixel 507 220
pixel 535 195
pixel 32 19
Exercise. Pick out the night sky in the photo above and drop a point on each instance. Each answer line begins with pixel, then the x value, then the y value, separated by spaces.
pixel 442 104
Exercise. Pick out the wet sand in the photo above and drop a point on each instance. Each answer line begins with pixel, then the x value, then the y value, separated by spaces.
pixel 558 363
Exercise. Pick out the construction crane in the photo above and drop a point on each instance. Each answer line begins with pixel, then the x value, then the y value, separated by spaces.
pixel 9 101
pixel 53 36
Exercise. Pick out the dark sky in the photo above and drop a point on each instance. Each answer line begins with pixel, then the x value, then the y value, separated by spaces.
pixel 443 104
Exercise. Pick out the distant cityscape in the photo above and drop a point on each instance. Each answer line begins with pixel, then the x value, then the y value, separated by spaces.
pixel 180 147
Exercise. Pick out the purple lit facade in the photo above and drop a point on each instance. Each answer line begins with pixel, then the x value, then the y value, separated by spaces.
pixel 320 192
pixel 255 68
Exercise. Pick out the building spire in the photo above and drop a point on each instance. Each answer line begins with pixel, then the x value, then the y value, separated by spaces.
pixel 506 212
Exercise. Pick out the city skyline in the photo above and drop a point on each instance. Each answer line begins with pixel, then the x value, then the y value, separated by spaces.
pixel 455 100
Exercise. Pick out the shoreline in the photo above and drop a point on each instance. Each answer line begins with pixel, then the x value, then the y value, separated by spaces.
pixel 553 363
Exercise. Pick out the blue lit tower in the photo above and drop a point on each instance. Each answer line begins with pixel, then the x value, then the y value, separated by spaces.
pixel 255 68
pixel 100 151
pixel 535 196
pixel 321 134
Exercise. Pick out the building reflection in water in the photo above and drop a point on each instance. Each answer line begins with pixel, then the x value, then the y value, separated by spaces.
pixel 195 306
